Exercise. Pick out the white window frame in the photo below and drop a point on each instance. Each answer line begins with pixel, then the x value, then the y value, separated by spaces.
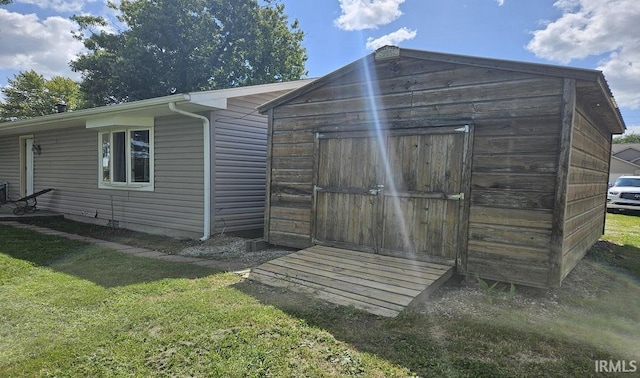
pixel 129 184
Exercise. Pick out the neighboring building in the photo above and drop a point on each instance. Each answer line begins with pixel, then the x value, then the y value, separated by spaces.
pixel 185 165
pixel 625 160
pixel 501 166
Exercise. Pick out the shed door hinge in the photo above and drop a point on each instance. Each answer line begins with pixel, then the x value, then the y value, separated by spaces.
pixel 464 129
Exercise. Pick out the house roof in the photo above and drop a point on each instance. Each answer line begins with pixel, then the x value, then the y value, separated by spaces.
pixel 629 164
pixel 619 147
pixel 194 102
pixel 591 84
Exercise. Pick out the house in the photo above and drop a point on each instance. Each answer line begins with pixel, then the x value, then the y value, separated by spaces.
pixel 185 165
pixel 499 165
pixel 625 160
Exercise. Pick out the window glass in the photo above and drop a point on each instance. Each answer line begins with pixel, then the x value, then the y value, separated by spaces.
pixel 106 158
pixel 119 156
pixel 140 156
pixel 126 160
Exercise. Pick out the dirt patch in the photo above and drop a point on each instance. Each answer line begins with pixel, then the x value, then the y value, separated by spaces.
pixel 458 298
pixel 231 252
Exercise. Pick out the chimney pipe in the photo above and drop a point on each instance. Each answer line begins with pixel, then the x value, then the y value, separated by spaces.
pixel 61 107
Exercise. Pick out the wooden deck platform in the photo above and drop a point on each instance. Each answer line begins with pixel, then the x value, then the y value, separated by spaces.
pixel 378 284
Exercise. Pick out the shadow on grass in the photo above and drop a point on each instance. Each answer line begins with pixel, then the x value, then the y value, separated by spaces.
pixel 625 258
pixel 438 345
pixel 102 266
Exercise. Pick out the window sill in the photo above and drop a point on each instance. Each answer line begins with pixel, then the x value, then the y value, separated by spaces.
pixel 140 188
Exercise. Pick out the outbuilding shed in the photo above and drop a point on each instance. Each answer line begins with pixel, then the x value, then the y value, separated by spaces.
pixel 500 166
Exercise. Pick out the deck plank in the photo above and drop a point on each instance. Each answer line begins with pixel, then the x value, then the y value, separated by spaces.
pixel 378 284
pixel 398 267
pixel 382 271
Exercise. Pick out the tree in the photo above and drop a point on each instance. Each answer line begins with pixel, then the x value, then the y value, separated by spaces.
pixel 5 2
pixel 187 45
pixel 628 138
pixel 29 94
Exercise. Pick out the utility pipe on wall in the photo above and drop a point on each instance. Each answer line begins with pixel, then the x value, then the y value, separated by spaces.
pixel 207 167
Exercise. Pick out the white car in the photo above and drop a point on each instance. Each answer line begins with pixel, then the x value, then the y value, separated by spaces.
pixel 624 194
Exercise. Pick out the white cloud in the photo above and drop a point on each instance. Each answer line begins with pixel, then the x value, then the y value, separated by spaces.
pixel 367 14
pixel 394 38
pixel 59 5
pixel 44 45
pixel 500 2
pixel 595 27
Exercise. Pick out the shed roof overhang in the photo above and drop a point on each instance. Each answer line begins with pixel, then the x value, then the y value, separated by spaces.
pixel 591 84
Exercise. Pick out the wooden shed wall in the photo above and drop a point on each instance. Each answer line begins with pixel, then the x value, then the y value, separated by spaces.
pixel 586 187
pixel 517 121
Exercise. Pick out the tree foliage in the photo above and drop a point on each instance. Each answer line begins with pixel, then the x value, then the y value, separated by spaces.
pixel 29 94
pixel 187 45
pixel 627 138
pixel 5 2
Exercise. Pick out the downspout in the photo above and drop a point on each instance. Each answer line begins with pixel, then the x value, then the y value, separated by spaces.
pixel 207 167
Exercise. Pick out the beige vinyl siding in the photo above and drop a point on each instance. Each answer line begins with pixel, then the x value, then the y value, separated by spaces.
pixel 69 164
pixel 239 165
pixel 9 164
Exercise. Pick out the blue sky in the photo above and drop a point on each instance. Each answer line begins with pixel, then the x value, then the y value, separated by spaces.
pixel 595 34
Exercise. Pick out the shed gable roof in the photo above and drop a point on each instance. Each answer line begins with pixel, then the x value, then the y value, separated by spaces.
pixel 591 84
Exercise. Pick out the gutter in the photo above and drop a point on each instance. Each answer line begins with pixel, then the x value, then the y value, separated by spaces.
pixel 207 166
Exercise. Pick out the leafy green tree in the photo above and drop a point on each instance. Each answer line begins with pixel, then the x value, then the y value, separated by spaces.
pixel 5 2
pixel 29 94
pixel 173 46
pixel 628 138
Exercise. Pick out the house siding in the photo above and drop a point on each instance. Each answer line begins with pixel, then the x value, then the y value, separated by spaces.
pixel 10 164
pixel 69 164
pixel 239 164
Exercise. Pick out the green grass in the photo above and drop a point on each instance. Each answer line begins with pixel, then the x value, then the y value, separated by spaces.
pixel 118 235
pixel 71 309
pixel 622 234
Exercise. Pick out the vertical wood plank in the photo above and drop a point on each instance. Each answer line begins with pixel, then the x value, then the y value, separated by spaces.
pixel 465 205
pixel 267 207
pixel 560 202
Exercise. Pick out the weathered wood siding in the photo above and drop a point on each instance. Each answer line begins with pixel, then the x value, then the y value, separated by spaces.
pixel 10 164
pixel 586 187
pixel 517 121
pixel 512 197
pixel 69 163
pixel 239 165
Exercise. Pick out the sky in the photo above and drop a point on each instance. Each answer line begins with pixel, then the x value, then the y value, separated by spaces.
pixel 594 34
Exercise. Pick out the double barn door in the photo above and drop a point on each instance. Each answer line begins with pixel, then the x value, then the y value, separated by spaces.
pixel 397 193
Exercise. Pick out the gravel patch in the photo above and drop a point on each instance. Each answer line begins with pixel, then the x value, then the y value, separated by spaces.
pixel 232 251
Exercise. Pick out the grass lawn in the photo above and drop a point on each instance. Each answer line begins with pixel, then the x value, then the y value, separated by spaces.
pixel 71 309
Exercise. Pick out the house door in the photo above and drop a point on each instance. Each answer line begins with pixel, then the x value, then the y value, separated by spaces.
pixel 400 194
pixel 27 166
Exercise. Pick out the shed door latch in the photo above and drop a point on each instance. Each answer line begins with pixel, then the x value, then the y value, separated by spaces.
pixel 457 197
pixel 375 192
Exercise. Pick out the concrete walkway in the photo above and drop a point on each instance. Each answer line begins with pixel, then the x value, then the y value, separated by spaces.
pixel 134 251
